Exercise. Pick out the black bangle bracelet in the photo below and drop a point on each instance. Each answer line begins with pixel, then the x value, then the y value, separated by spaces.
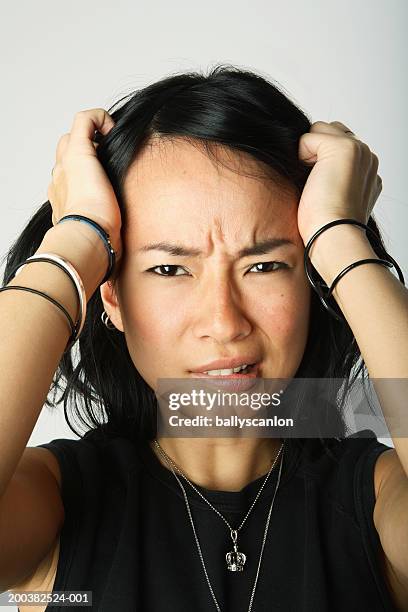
pixel 105 237
pixel 320 286
pixel 383 262
pixel 51 299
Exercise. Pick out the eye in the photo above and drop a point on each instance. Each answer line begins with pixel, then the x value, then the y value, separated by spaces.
pixel 152 270
pixel 280 264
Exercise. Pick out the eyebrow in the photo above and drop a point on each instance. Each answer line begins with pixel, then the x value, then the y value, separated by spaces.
pixel 261 247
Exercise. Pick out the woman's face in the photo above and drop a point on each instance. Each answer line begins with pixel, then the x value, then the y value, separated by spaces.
pixel 181 311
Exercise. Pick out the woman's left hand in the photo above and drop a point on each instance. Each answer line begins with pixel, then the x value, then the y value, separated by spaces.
pixel 343 183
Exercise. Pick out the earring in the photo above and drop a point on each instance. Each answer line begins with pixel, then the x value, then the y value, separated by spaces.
pixel 106 320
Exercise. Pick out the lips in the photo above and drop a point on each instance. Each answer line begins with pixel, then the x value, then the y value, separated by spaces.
pixel 231 382
pixel 225 364
pixel 252 373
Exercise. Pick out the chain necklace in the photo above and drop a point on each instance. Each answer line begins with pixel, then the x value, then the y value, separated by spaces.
pixel 235 559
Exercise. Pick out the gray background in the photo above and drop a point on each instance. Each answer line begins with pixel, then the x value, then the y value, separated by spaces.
pixel 338 60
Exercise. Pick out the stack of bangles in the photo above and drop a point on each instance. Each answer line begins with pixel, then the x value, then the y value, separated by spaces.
pixel 69 269
pixel 319 287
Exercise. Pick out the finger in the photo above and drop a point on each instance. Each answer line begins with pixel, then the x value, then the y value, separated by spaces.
pixel 313 145
pixel 334 127
pixel 376 193
pixel 344 128
pixel 87 122
pixel 61 147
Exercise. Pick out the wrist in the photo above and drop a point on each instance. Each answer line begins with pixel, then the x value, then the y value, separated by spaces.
pixel 338 247
pixel 82 247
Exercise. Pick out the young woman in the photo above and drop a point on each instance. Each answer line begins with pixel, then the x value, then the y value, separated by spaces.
pixel 209 188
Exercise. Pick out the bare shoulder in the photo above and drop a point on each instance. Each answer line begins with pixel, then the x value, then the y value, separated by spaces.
pixel 390 512
pixel 40 456
pixel 31 518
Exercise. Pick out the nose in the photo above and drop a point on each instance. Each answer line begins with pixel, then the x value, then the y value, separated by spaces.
pixel 219 314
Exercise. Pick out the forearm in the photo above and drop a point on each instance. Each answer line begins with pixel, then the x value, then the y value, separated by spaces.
pixel 34 333
pixel 372 299
pixel 375 304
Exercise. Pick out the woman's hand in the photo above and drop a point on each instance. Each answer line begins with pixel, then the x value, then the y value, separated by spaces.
pixel 79 183
pixel 343 183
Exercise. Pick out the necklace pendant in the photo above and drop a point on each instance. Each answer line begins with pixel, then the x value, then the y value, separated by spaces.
pixel 235 559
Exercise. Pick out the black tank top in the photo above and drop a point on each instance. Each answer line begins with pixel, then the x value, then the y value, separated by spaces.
pixel 127 536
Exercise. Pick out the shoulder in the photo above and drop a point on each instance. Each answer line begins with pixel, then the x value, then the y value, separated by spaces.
pixel 345 473
pixel 341 459
pixel 365 482
pixel 387 467
pixel 91 463
pixel 390 512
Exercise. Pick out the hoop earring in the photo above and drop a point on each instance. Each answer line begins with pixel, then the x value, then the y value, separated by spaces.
pixel 106 320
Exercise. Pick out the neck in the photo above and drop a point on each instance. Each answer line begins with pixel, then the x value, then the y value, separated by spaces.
pixel 220 464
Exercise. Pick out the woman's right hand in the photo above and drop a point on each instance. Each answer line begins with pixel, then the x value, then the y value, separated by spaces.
pixel 79 183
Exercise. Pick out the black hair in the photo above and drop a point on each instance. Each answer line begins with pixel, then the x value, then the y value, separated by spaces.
pixel 230 107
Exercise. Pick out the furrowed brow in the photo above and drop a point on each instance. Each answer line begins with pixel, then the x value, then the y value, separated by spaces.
pixel 261 247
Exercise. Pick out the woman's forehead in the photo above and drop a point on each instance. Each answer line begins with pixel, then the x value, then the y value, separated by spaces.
pixel 179 183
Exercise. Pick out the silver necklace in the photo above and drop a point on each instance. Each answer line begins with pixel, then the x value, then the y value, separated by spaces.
pixel 235 559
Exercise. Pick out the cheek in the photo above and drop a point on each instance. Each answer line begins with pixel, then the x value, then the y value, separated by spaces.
pixel 150 338
pixel 285 318
pixel 152 322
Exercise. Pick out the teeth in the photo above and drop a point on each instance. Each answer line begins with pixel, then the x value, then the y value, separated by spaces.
pixel 226 372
